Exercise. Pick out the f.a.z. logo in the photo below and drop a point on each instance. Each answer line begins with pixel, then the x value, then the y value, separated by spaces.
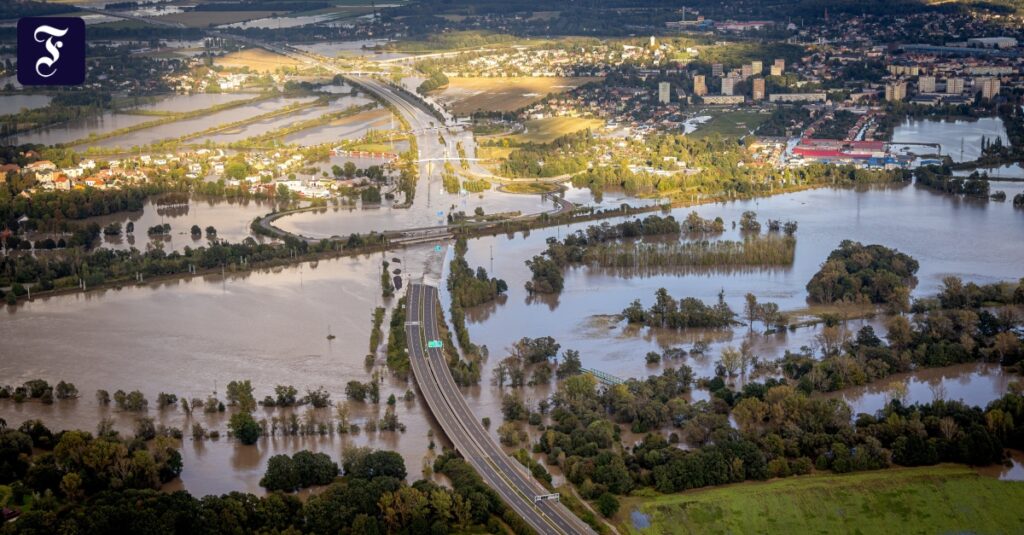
pixel 51 51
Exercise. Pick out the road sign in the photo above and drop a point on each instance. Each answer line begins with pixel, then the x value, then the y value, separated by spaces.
pixel 431 344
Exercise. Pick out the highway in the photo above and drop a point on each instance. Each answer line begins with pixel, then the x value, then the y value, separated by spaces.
pixel 506 476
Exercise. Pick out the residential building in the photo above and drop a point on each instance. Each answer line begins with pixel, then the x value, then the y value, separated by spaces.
pixel 664 92
pixel 717 69
pixel 757 67
pixel 776 70
pixel 728 85
pixel 759 89
pixel 746 71
pixel 926 84
pixel 895 91
pixel 954 86
pixel 797 97
pixel 992 42
pixel 989 87
pixel 898 69
pixel 700 88
pixel 780 64
pixel 723 100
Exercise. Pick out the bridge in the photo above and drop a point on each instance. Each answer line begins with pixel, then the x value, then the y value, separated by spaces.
pixel 606 379
pixel 516 487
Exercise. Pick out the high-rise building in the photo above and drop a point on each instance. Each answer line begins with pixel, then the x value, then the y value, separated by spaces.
pixel 779 64
pixel 664 92
pixel 653 42
pixel 757 67
pixel 954 86
pixel 759 88
pixel 728 85
pixel 717 69
pixel 746 71
pixel 895 91
pixel 700 88
pixel 926 84
pixel 989 87
pixel 776 70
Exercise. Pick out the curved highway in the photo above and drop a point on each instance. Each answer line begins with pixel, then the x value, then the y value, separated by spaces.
pixel 507 477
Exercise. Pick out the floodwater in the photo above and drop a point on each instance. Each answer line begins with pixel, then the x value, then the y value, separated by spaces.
pixel 342 221
pixel 188 126
pixel 959 139
pixel 230 218
pixel 284 22
pixel 16 103
pixel 973 383
pixel 192 336
pixel 192 102
pixel 362 48
pixel 352 127
pixel 78 129
pixel 948 236
pixel 268 125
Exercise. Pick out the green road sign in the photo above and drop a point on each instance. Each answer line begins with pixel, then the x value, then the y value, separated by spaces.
pixel 434 343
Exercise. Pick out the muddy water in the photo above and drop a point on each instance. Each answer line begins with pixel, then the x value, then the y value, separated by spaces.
pixel 268 125
pixel 78 129
pixel 180 128
pixel 974 384
pixel 353 127
pixel 192 102
pixel 230 218
pixel 192 336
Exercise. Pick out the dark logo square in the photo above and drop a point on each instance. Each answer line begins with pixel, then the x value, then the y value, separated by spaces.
pixel 51 51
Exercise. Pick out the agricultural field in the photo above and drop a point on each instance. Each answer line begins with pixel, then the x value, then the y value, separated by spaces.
pixel 256 59
pixel 926 500
pixel 468 95
pixel 731 123
pixel 551 128
pixel 205 19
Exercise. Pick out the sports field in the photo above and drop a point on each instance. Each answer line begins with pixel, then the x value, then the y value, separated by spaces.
pixel 926 500
pixel 468 95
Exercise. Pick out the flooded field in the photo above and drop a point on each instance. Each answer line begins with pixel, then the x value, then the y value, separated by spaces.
pixel 15 103
pixel 958 139
pixel 189 126
pixel 192 102
pixel 362 48
pixel 268 125
pixel 230 218
pixel 78 129
pixel 352 127
pixel 192 336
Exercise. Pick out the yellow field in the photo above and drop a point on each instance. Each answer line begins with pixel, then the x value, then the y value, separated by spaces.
pixel 547 130
pixel 493 153
pixel 204 19
pixel 467 95
pixel 257 59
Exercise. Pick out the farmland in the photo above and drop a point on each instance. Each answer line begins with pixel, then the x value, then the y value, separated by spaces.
pixel 257 59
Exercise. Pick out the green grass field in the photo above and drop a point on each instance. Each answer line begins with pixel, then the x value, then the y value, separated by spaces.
pixel 927 500
pixel 551 128
pixel 731 123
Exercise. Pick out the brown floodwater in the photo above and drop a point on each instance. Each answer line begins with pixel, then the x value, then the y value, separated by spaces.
pixel 192 336
pixel 231 218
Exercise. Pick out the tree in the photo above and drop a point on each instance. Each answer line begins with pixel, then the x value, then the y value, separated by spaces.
pixel 243 426
pixel 750 309
pixel 240 394
pixel 608 504
pixel 730 360
pixel 281 474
